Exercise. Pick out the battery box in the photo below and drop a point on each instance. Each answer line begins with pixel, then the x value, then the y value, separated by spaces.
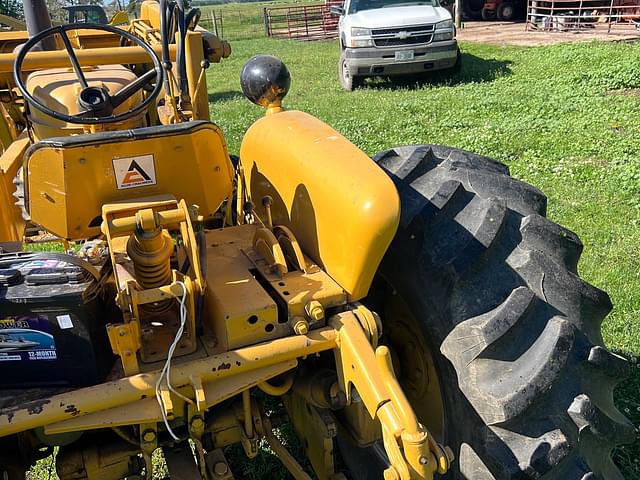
pixel 52 324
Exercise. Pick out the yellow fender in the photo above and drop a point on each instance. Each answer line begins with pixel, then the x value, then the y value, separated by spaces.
pixel 343 209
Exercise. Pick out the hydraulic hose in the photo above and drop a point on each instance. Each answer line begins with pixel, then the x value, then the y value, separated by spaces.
pixel 181 54
pixel 164 34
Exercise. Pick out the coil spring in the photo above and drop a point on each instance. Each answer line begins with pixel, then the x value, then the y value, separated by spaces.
pixel 150 253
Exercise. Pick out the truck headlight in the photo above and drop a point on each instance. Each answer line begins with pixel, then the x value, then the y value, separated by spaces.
pixel 361 42
pixel 361 32
pixel 360 37
pixel 442 36
pixel 444 31
pixel 444 25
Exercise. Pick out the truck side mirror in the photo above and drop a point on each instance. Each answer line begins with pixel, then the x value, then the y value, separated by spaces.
pixel 337 10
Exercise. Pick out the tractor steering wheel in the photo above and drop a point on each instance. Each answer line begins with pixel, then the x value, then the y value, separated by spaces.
pixel 97 104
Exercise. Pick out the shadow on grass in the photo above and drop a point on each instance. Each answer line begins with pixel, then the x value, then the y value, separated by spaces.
pixel 225 96
pixel 474 70
pixel 627 399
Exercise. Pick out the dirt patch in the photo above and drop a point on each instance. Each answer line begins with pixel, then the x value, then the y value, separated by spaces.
pixel 516 33
pixel 625 92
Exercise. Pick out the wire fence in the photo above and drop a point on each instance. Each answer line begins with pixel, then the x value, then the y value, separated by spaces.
pixel 299 22
pixel 607 16
pixel 234 24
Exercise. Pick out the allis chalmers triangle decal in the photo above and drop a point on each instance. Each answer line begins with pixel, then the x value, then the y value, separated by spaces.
pixel 134 172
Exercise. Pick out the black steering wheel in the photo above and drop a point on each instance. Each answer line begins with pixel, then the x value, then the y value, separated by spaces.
pixel 97 104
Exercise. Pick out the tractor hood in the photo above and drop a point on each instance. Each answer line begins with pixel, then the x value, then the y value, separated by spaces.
pixel 398 16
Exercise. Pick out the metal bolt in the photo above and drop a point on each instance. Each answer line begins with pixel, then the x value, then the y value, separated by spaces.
pixel 149 436
pixel 220 469
pixel 423 460
pixel 122 332
pixel 314 310
pixel 300 326
pixel 267 201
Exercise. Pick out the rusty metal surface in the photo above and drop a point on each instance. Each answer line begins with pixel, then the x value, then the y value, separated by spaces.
pixel 11 398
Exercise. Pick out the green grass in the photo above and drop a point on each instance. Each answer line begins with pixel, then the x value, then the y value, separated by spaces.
pixel 546 112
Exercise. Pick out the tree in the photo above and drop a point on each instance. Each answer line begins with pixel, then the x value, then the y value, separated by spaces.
pixel 12 8
pixel 56 10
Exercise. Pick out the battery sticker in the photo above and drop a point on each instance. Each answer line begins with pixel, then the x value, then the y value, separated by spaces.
pixel 64 321
pixel 26 338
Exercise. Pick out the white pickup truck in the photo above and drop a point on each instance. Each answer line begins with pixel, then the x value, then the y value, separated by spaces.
pixel 394 37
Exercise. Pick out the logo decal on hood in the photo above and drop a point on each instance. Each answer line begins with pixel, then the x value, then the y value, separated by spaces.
pixel 131 172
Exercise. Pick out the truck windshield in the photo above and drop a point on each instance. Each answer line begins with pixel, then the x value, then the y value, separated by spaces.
pixel 358 5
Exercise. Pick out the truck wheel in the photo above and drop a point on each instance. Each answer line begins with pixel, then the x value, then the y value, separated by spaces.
pixel 349 82
pixel 495 338
pixel 505 11
pixel 488 14
pixel 473 9
pixel 457 67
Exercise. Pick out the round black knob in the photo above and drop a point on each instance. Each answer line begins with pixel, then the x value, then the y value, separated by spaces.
pixel 265 80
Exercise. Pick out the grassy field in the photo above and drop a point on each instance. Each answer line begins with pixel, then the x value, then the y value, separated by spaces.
pixel 565 118
pixel 237 21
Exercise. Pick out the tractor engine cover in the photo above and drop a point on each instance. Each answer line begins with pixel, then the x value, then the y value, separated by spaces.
pixel 52 325
pixel 59 90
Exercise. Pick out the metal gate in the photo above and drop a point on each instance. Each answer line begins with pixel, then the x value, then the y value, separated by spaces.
pixel 308 22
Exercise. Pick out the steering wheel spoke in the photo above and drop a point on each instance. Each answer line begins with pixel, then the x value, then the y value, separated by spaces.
pixel 120 97
pixel 72 57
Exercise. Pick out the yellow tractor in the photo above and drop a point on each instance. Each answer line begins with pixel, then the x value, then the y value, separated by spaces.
pixel 416 315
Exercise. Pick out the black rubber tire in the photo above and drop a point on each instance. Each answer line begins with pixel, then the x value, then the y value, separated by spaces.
pixel 473 9
pixel 488 15
pixel 348 82
pixel 526 381
pixel 506 11
pixel 457 67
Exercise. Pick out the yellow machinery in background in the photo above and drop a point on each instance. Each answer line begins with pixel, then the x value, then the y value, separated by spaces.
pixel 204 286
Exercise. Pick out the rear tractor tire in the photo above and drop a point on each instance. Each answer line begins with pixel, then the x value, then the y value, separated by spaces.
pixel 495 338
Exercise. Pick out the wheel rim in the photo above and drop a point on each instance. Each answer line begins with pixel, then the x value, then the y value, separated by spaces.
pixel 345 72
pixel 414 365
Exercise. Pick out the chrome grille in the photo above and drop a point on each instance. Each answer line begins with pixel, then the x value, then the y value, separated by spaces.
pixel 391 37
